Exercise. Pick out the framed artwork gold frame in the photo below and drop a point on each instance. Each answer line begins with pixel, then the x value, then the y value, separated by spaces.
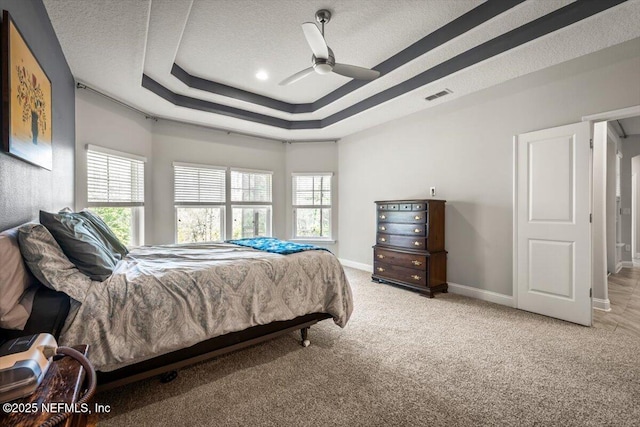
pixel 26 100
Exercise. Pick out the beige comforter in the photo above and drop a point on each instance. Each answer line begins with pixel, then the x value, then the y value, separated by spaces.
pixel 164 298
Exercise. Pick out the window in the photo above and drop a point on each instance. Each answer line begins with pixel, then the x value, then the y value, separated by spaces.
pixel 213 203
pixel 312 206
pixel 251 203
pixel 199 197
pixel 115 191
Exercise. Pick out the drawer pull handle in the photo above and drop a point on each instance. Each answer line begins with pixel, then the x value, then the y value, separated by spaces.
pixel 417 230
pixel 381 256
pixel 417 217
pixel 383 228
pixel 383 217
pixel 416 277
pixel 380 269
pixel 416 243
pixel 382 239
pixel 415 262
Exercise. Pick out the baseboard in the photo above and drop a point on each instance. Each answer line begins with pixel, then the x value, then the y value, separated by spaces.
pixel 481 294
pixel 357 265
pixel 627 264
pixel 619 267
pixel 601 304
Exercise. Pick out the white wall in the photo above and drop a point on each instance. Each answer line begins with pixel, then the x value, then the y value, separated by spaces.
pixel 187 143
pixel 630 149
pixel 100 121
pixel 612 149
pixel 464 148
pixel 313 157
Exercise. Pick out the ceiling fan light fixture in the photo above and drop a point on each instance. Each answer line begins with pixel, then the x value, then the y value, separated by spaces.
pixel 322 68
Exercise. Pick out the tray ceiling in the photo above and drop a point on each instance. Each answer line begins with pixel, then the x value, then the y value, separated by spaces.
pixel 196 61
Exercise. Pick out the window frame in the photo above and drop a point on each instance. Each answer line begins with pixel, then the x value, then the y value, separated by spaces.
pixel 229 204
pixel 137 208
pixel 248 204
pixel 295 207
pixel 222 204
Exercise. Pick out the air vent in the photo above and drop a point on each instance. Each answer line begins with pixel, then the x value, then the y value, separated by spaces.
pixel 439 94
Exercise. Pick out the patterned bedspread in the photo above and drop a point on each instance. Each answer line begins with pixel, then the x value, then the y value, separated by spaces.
pixel 163 298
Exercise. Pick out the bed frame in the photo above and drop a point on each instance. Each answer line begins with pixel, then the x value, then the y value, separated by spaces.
pixel 50 309
pixel 167 364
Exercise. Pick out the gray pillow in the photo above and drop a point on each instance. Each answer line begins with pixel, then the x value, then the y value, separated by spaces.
pixel 47 262
pixel 105 231
pixel 80 244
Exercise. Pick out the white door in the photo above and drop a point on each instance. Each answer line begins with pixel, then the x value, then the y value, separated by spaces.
pixel 552 264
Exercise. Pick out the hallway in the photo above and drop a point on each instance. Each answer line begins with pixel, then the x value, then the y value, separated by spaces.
pixel 624 295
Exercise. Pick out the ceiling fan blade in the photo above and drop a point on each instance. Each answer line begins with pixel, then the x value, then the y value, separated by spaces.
pixel 316 41
pixel 297 76
pixel 356 72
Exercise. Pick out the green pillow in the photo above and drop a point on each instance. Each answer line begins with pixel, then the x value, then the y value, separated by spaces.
pixel 81 244
pixel 105 231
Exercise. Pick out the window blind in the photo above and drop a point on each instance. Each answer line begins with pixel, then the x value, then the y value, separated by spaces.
pixel 250 186
pixel 312 190
pixel 198 184
pixel 114 180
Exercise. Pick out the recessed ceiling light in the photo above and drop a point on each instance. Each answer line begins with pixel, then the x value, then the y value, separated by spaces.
pixel 262 75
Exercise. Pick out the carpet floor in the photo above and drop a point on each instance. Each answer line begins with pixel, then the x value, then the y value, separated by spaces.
pixel 405 360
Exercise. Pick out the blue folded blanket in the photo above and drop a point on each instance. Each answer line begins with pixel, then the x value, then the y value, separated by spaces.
pixel 271 244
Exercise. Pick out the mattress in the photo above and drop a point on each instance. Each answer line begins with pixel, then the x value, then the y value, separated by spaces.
pixel 160 299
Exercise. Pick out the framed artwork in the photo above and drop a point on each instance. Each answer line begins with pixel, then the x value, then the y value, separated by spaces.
pixel 26 100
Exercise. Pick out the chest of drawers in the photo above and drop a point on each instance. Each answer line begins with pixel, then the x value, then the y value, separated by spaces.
pixel 410 249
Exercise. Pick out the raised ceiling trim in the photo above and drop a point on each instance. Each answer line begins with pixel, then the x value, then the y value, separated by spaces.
pixel 560 18
pixel 473 18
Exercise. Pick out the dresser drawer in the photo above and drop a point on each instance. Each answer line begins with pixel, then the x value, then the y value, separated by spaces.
pixel 407 275
pixel 409 242
pixel 406 217
pixel 400 259
pixel 406 229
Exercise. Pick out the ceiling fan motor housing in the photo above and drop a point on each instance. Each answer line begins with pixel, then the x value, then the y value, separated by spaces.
pixel 324 66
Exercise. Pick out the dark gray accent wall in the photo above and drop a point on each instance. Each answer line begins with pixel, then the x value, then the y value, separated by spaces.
pixel 25 188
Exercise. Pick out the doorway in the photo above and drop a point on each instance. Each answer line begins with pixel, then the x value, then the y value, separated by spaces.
pixel 616 219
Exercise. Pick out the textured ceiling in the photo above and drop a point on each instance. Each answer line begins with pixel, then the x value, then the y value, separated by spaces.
pixel 109 45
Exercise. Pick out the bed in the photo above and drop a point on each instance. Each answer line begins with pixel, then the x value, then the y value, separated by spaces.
pixel 164 307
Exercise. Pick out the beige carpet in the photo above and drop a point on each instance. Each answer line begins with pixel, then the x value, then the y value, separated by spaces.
pixel 405 360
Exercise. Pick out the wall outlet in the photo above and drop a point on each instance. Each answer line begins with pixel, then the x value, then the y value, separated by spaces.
pixel 627 248
pixel 433 191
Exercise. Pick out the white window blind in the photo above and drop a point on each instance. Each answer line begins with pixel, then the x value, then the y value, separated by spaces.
pixel 114 180
pixel 199 184
pixel 312 190
pixel 250 186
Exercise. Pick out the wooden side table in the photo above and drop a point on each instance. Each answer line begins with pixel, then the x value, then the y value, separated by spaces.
pixel 62 384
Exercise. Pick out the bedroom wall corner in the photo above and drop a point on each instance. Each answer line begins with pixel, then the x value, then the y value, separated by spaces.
pixel 464 148
pixel 25 188
pixel 100 121
pixel 313 157
pixel 180 142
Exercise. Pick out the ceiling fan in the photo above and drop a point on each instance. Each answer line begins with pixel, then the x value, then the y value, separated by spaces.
pixel 323 61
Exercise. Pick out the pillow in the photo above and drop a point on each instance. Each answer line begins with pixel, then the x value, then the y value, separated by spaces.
pixel 105 231
pixel 47 262
pixel 82 246
pixel 17 285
